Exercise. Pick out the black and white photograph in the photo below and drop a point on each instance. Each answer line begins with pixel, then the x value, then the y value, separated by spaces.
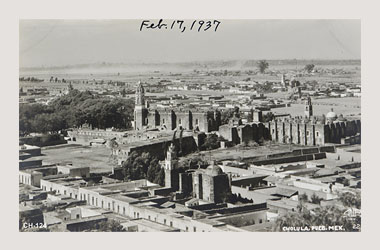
pixel 189 125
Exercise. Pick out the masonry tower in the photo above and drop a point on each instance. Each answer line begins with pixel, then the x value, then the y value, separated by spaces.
pixel 308 108
pixel 170 167
pixel 141 111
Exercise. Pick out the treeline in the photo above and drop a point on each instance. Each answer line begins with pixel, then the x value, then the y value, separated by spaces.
pixel 143 166
pixel 30 79
pixel 73 110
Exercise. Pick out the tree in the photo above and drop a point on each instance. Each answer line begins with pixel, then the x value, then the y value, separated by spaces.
pixel 268 117
pixel 351 199
pixel 140 166
pixel 160 178
pixel 108 226
pixel 309 68
pixel 211 142
pixel 303 197
pixel 315 199
pixel 123 92
pixel 153 171
pixel 133 167
pixel 193 163
pixel 262 65
pixel 226 115
pixel 70 87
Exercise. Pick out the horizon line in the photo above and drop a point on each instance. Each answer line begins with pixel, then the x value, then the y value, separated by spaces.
pixel 180 62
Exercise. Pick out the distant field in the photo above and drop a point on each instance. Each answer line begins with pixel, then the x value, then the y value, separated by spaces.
pixel 154 73
pixel 349 106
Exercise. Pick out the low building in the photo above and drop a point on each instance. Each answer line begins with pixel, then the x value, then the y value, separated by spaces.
pixel 74 170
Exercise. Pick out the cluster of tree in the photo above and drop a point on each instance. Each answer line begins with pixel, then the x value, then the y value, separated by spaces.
pixel 32 118
pixel 73 110
pixel 141 166
pixel 323 216
pixel 262 65
pixel 309 68
pixel 303 197
pixel 193 163
pixel 313 199
pixel 266 87
pixel 227 114
pixel 107 226
pixel 30 79
pixel 351 199
pixel 211 142
pixel 52 79
pixel 268 117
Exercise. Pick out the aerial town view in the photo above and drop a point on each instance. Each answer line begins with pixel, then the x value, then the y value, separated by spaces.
pixel 134 126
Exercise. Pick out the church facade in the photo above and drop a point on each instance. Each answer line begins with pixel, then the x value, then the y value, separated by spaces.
pixel 171 119
pixel 311 130
pixel 307 130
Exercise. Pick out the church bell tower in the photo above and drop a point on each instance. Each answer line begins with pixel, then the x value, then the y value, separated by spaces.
pixel 308 108
pixel 140 108
pixel 170 167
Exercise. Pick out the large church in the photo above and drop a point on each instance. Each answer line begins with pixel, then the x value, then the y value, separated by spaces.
pixel 174 118
pixel 308 129
pixel 313 130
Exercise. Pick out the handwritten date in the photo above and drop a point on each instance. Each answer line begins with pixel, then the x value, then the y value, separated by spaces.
pixel 181 25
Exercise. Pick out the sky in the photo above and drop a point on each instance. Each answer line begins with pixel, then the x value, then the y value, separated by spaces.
pixel 68 42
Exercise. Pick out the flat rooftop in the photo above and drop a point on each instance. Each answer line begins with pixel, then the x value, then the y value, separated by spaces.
pixel 123 198
pixel 152 141
pixel 154 226
pixel 119 186
pixel 72 166
pixel 26 146
pixel 253 176
pixel 276 191
pixel 68 181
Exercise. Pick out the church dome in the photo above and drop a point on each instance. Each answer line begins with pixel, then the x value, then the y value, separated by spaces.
pixel 214 170
pixel 332 116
